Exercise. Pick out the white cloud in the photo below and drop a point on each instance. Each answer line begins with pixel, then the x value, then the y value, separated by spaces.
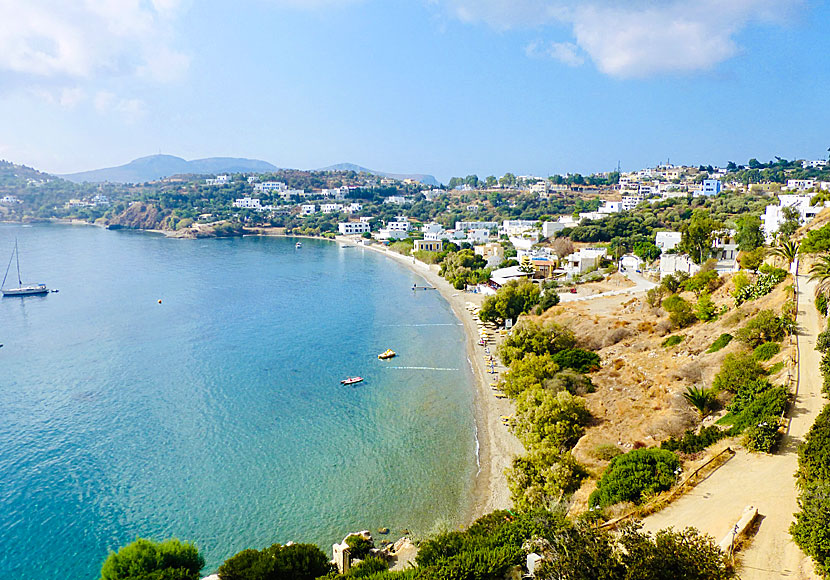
pixel 565 52
pixel 85 39
pixel 633 38
pixel 107 102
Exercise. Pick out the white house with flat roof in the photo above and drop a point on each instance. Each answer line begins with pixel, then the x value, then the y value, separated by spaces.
pixel 800 184
pixel 395 200
pixel 10 199
pixel 248 203
pixel 773 216
pixel 610 207
pixel 549 229
pixel 813 164
pixel 353 208
pixel 331 207
pixel 476 225
pixel 218 180
pixel 675 263
pixel 399 224
pixel 270 186
pixel 353 228
pixel 667 240
pixel 308 209
pixel 585 259
pixel 712 187
pixel 629 202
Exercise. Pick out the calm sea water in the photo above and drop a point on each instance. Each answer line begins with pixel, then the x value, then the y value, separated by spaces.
pixel 217 416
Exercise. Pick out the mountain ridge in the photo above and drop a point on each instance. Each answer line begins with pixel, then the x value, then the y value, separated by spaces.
pixel 422 177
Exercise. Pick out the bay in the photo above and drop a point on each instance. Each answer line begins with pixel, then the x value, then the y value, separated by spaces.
pixel 217 415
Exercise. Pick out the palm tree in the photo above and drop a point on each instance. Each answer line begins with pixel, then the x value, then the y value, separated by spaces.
pixel 820 272
pixel 787 250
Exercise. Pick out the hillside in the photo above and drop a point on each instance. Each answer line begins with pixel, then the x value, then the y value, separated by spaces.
pixel 156 167
pixel 421 177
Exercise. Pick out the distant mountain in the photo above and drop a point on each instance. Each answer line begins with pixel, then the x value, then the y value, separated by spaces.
pixel 160 166
pixel 423 178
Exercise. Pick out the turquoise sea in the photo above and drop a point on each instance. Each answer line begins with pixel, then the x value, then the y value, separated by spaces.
pixel 217 416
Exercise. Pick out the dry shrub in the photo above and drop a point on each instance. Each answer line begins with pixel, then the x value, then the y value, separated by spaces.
pixel 590 342
pixel 689 372
pixel 618 509
pixel 663 327
pixel 620 323
pixel 646 326
pixel 615 336
pixel 618 364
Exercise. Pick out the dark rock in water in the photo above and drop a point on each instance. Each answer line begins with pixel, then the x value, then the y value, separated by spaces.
pixel 115 227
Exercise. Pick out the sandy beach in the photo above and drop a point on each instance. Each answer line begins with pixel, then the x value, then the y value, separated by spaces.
pixel 497 445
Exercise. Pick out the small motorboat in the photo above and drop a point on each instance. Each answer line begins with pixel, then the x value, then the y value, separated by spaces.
pixel 298 245
pixel 351 380
pixel 388 353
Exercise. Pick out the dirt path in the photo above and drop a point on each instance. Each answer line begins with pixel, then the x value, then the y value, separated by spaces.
pixel 763 481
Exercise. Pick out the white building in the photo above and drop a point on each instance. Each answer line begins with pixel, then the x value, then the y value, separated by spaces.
pixel 100 199
pixel 387 234
pixel 549 229
pixel 584 260
pixel 400 224
pixel 611 207
pixel 478 236
pixel 352 228
pixel 476 225
pixel 218 180
pixel 366 219
pixel 516 227
pixel 288 194
pixel 334 193
pixel 674 263
pixel 629 202
pixel 433 194
pixel 667 240
pixel 395 199
pixel 432 228
pixel 269 186
pixel 10 199
pixel 773 216
pixel 308 209
pixel 712 187
pixel 353 208
pixel 331 207
pixel 248 203
pixel 813 164
pixel 800 184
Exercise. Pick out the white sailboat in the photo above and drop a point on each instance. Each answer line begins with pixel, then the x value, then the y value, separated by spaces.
pixel 22 289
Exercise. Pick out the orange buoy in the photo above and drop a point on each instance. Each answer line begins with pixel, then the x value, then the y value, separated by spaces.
pixel 159 301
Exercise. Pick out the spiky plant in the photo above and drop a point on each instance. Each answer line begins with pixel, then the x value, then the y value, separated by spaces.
pixel 700 398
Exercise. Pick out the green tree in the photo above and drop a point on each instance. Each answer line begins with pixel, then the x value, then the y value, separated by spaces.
pixel 510 301
pixel 529 337
pixel 491 181
pixel 820 273
pixel 791 223
pixel 542 478
pixel 698 236
pixel 752 260
pixel 148 560
pixel 750 235
pixel 277 562
pixel 529 371
pixel 706 309
pixel 787 250
pixel 737 369
pixel 646 251
pixel 557 419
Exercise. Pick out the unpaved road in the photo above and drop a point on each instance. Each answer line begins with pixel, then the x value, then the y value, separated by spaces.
pixel 764 481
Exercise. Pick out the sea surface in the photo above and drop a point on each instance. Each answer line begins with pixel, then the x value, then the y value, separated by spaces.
pixel 191 389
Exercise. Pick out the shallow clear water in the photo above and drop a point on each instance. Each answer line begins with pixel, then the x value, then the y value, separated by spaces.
pixel 217 416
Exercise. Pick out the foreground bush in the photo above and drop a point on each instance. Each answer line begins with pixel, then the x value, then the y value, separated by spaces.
pixel 765 327
pixel 510 301
pixel 295 562
pixel 814 453
pixel 531 338
pixel 147 560
pixel 811 528
pixel 636 475
pixel 692 442
pixel 736 370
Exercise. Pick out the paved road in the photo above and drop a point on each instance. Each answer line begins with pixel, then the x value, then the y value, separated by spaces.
pixel 764 481
pixel 640 285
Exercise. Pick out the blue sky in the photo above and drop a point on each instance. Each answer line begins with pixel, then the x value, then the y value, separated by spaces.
pixel 448 87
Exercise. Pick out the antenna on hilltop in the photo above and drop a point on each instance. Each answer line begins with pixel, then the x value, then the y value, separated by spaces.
pixel 618 167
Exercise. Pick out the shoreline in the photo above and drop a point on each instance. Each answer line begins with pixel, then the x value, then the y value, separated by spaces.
pixel 497 446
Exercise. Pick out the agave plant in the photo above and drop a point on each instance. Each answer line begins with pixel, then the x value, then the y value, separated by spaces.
pixel 700 398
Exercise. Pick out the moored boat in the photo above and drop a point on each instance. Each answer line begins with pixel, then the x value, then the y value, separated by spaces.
pixel 388 353
pixel 22 289
pixel 351 380
pixel 298 245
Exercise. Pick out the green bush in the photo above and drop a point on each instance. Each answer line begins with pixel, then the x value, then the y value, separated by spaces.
pixel 811 528
pixel 763 437
pixel 673 340
pixel 706 309
pixel 529 337
pixel 578 359
pixel 636 475
pixel 821 304
pixel 144 559
pixel 823 341
pixel 680 312
pixel 510 301
pixel 746 392
pixel 606 452
pixel 721 342
pixel 737 369
pixel 547 418
pixel 766 351
pixel 814 453
pixel 766 407
pixel 775 368
pixel 294 562
pixel 692 442
pixel 764 327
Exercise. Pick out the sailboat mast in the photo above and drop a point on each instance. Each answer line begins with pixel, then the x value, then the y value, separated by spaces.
pixel 3 284
pixel 17 255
